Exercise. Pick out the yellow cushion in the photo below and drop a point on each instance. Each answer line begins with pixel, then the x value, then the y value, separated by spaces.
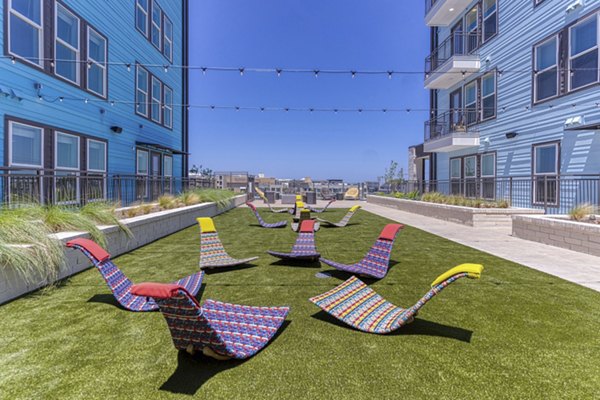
pixel 473 271
pixel 298 197
pixel 299 204
pixel 354 208
pixel 206 225
pixel 261 194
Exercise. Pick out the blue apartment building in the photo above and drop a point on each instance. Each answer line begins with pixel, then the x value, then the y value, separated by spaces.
pixel 515 101
pixel 91 95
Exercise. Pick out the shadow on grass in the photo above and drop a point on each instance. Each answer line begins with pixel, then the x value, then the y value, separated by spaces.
pixel 194 371
pixel 343 275
pixel 297 263
pixel 418 327
pixel 217 270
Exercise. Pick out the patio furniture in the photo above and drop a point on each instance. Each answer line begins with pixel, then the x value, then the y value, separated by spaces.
pixel 304 216
pixel 304 249
pixel 344 221
pixel 119 284
pixel 359 306
pixel 321 210
pixel 261 194
pixel 351 194
pixel 219 330
pixel 298 207
pixel 262 222
pixel 212 252
pixel 376 262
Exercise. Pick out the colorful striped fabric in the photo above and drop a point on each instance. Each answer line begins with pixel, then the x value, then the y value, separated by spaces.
pixel 320 210
pixel 304 248
pixel 120 285
pixel 376 262
pixel 229 330
pixel 262 222
pixel 344 221
pixel 359 306
pixel 212 252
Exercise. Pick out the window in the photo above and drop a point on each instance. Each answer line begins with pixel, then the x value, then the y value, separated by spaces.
pixel 155 29
pixel 96 151
pixel 471 103
pixel 155 106
pixel 583 53
pixel 141 16
pixel 141 94
pixel 471 176
pixel 488 176
pixel 488 96
pixel 472 29
pixel 95 183
pixel 66 162
pixel 66 45
pixel 96 71
pixel 490 19
pixel 546 70
pixel 168 38
pixel 168 173
pixel 455 175
pixel 142 172
pixel 168 106
pixel 25 145
pixel 25 31
pixel 545 171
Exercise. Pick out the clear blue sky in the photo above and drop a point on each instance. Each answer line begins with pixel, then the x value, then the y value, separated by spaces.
pixel 331 34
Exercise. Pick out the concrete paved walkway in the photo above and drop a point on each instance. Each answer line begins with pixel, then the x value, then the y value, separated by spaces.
pixel 579 268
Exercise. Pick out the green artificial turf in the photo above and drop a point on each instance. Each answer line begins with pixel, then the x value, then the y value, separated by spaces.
pixel 514 334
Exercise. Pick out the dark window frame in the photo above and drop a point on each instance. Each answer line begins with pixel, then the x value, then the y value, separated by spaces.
pixel 150 100
pixel 478 178
pixel 148 34
pixel 478 98
pixel 556 176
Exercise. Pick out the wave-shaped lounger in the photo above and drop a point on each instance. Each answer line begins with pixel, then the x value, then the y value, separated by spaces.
pixel 219 330
pixel 262 222
pixel 321 210
pixel 212 252
pixel 344 221
pixel 377 261
pixel 359 306
pixel 261 194
pixel 119 284
pixel 304 249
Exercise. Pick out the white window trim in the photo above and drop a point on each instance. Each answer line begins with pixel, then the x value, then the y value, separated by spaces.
pixel 37 26
pixel 535 61
pixel 154 100
pixel 11 124
pixel 166 38
pixel 67 45
pixel 597 47
pixel 102 66
pixel 137 169
pixel 78 168
pixel 483 97
pixel 459 169
pixel 474 157
pixel 145 12
pixel 467 109
pixel 483 40
pixel 493 156
pixel 167 106
pixel 88 157
pixel 165 157
pixel 138 90
pixel 158 27
pixel 556 159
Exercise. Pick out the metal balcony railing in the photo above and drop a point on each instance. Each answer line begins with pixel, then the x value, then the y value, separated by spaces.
pixel 453 121
pixel 429 5
pixel 457 44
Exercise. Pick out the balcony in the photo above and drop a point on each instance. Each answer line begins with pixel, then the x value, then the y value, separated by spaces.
pixel 452 61
pixel 443 12
pixel 451 131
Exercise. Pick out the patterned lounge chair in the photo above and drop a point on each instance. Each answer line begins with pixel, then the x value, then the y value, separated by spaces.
pixel 262 222
pixel 376 262
pixel 352 194
pixel 320 210
pixel 119 284
pixel 357 305
pixel 297 210
pixel 212 252
pixel 344 221
pixel 304 249
pixel 218 330
pixel 261 194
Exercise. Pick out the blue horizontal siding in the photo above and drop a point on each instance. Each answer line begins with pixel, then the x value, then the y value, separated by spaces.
pixel 115 20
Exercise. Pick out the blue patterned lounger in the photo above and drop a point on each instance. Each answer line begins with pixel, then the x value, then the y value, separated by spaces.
pixel 344 221
pixel 262 222
pixel 304 249
pixel 320 210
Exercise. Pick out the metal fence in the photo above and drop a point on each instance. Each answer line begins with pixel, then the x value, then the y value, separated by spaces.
pixel 457 44
pixel 22 186
pixel 556 194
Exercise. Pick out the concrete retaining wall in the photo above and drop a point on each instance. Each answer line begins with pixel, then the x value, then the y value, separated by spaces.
pixel 560 232
pixel 476 217
pixel 145 229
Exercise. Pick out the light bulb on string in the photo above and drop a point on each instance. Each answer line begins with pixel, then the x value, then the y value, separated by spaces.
pixel 86 101
pixel 241 71
pixel 353 74
pixel 278 73
pixel 316 71
pixel 128 67
pixel 166 69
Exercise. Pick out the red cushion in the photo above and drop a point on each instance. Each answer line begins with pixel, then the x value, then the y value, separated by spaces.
pixel 158 290
pixel 91 247
pixel 251 205
pixel 308 225
pixel 390 231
